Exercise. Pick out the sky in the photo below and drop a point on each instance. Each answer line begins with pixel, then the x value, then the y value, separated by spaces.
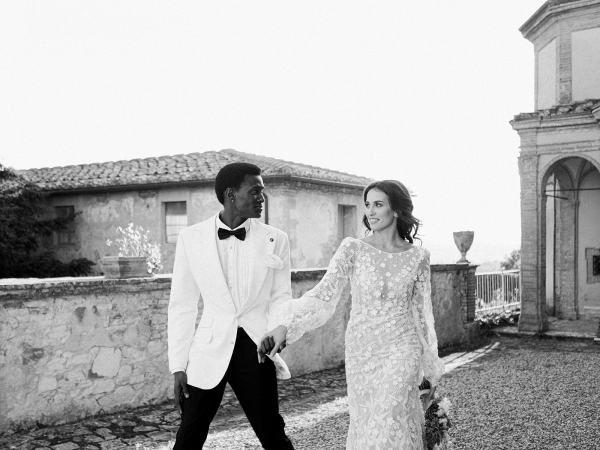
pixel 422 92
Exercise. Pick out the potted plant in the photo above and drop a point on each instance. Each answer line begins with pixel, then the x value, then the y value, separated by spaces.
pixel 137 256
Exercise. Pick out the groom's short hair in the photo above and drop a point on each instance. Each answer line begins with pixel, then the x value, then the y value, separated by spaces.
pixel 232 176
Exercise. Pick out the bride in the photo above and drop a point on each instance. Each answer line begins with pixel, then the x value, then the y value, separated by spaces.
pixel 391 343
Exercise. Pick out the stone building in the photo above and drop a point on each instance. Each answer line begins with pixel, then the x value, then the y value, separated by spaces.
pixel 316 207
pixel 559 166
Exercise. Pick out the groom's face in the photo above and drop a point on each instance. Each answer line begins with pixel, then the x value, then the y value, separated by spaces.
pixel 249 198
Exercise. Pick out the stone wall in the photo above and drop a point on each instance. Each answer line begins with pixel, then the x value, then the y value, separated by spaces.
pixel 77 347
pixel 70 348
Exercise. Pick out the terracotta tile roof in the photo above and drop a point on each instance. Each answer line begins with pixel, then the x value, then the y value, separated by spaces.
pixel 191 167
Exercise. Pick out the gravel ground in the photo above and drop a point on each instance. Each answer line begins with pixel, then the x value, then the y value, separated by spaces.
pixel 528 393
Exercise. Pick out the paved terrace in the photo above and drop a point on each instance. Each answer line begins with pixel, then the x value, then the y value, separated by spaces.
pixel 512 393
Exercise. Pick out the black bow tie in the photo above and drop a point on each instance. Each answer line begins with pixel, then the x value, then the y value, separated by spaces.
pixel 240 233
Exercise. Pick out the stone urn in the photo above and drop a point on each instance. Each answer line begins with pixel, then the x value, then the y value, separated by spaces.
pixel 463 241
pixel 115 267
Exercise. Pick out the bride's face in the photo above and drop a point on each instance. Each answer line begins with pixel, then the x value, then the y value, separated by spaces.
pixel 379 211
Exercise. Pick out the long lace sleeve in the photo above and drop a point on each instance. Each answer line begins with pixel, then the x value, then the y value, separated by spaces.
pixel 317 306
pixel 431 365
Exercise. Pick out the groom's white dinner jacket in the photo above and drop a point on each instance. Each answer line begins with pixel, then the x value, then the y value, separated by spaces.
pixel 198 278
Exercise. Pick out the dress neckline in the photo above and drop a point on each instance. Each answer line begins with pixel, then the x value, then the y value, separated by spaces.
pixel 412 246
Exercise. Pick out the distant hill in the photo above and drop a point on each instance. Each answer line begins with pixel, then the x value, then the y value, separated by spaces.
pixel 488 266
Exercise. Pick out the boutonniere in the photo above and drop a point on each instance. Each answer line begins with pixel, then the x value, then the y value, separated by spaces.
pixel 271 259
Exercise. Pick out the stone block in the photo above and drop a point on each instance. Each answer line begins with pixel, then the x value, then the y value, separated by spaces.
pixel 47 384
pixel 133 354
pixel 107 362
pixel 124 372
pixel 100 387
pixel 31 354
pixel 55 365
pixel 125 393
pixel 157 347
pixel 66 446
pixel 137 378
pixel 74 375
pixel 105 433
pixel 81 359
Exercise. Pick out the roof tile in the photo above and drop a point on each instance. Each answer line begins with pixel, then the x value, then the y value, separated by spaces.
pixel 168 169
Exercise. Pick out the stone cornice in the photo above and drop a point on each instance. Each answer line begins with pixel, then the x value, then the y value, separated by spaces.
pixel 549 10
pixel 579 113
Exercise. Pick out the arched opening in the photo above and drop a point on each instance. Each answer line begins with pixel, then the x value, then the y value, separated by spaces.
pixel 571 238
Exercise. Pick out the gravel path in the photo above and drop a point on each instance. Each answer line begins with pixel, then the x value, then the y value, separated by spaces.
pixel 516 393
pixel 526 393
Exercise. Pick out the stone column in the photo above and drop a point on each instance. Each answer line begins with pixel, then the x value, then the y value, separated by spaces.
pixel 533 310
pixel 565 256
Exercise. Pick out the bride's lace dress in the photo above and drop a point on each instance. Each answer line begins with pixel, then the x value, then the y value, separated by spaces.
pixel 390 340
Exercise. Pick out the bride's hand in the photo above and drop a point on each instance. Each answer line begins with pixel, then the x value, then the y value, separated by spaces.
pixel 273 342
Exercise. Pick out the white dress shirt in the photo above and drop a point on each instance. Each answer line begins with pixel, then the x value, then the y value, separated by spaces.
pixel 235 261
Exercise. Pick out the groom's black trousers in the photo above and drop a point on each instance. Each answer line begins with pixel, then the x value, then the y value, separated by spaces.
pixel 254 385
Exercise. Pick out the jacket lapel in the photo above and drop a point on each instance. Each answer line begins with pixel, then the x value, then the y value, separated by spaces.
pixel 206 264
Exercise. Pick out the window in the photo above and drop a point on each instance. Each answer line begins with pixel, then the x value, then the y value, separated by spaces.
pixel 65 236
pixel 346 221
pixel 175 220
pixel 592 256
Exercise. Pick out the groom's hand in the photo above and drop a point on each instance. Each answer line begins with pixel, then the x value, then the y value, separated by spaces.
pixel 273 342
pixel 180 388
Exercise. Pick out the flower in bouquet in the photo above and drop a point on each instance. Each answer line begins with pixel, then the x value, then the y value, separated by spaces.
pixel 135 241
pixel 437 422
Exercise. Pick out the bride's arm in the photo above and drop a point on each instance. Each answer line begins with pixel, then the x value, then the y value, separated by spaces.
pixel 317 306
pixel 431 364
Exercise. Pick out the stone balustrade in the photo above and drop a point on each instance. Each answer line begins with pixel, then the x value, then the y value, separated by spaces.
pixel 75 347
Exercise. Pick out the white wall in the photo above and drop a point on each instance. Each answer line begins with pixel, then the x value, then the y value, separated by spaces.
pixel 546 76
pixel 586 64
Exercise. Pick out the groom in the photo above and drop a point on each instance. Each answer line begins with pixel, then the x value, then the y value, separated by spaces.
pixel 236 266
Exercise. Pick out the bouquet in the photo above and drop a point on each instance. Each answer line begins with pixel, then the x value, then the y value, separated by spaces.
pixel 437 423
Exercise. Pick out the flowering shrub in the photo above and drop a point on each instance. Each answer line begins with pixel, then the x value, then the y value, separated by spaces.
pixel 135 241
pixel 498 319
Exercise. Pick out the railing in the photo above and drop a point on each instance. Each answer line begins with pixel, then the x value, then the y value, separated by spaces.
pixel 498 291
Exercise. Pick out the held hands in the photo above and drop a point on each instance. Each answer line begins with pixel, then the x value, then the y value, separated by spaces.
pixel 180 389
pixel 272 343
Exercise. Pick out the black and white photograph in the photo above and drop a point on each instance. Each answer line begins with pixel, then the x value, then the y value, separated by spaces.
pixel 237 225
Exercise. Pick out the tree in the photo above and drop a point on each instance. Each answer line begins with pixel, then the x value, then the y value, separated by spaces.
pixel 512 261
pixel 24 221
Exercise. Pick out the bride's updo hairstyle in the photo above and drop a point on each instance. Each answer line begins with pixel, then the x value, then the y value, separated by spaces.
pixel 401 204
